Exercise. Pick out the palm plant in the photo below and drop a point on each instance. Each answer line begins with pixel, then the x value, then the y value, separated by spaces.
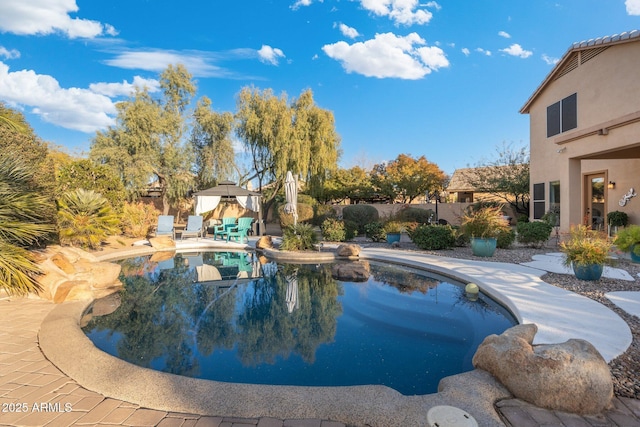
pixel 22 224
pixel 85 218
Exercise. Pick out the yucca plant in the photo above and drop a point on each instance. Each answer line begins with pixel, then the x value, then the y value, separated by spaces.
pixel 85 219
pixel 299 237
pixel 22 225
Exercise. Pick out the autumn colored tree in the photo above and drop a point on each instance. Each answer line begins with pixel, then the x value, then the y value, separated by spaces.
pixel 353 183
pixel 406 178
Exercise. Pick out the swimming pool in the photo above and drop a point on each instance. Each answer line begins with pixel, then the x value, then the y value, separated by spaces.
pixel 225 316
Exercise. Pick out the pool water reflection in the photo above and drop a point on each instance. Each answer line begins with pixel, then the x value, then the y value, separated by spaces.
pixel 225 316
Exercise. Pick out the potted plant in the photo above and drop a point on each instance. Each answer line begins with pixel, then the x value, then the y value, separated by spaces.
pixel 617 219
pixel 394 231
pixel 628 240
pixel 586 251
pixel 483 226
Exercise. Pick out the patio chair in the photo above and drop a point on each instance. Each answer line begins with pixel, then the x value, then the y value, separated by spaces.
pixel 222 229
pixel 194 227
pixel 239 232
pixel 165 226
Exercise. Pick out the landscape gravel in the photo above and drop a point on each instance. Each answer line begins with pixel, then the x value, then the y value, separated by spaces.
pixel 625 369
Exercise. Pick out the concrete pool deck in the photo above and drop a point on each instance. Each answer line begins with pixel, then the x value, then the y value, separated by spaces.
pixel 120 388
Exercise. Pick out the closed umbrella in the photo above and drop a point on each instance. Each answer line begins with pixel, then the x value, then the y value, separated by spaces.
pixel 291 194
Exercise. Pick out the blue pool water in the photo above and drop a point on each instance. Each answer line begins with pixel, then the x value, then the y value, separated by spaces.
pixel 228 317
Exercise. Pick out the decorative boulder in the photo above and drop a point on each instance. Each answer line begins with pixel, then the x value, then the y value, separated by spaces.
pixel 162 243
pixel 348 250
pixel 357 271
pixel 570 377
pixel 72 274
pixel 264 242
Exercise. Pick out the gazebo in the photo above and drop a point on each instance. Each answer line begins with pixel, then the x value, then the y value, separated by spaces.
pixel 207 200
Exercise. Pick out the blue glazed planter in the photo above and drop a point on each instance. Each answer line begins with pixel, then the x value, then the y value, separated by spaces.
pixel 588 272
pixel 484 247
pixel 393 237
pixel 634 258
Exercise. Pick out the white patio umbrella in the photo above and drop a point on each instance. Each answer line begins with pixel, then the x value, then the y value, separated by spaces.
pixel 292 292
pixel 291 194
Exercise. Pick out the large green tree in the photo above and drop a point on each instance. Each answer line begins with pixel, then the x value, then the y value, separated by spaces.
pixel 148 140
pixel 282 136
pixel 83 173
pixel 353 183
pixel 506 177
pixel 406 178
pixel 211 140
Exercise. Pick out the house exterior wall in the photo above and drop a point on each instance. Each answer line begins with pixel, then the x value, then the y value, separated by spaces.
pixel 608 121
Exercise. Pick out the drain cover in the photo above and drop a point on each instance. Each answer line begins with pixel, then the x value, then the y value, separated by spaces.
pixel 449 416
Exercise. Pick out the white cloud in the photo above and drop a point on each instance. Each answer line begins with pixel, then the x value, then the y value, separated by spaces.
pixel 434 5
pixel 466 51
pixel 549 60
pixel 198 63
pixel 72 108
pixel 46 17
pixel 299 3
pixel 403 12
pixel 125 88
pixel 633 7
pixel 270 55
pixel 517 50
pixel 388 55
pixel 9 54
pixel 483 51
pixel 348 31
pixel 504 34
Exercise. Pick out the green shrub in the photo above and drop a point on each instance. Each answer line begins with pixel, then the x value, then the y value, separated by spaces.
pixel 361 215
pixel 333 230
pixel 321 213
pixel 375 231
pixel 307 200
pixel 305 214
pixel 138 219
pixel 300 237
pixel 350 229
pixel 433 237
pixel 85 219
pixel 534 233
pixel 462 239
pixel 505 238
pixel 523 218
pixel 421 216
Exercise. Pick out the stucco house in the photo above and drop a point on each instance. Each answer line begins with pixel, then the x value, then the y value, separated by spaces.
pixel 585 133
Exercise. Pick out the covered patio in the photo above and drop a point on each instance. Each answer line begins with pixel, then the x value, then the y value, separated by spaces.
pixel 229 199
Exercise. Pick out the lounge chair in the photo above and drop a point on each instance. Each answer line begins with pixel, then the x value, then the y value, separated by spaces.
pixel 239 232
pixel 165 226
pixel 194 227
pixel 223 229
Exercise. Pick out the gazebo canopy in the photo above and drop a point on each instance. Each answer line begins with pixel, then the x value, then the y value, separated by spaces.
pixel 207 200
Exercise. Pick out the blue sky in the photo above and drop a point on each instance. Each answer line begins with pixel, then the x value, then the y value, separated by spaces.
pixel 442 79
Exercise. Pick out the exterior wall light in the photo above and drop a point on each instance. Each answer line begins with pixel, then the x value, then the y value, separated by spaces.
pixel 611 185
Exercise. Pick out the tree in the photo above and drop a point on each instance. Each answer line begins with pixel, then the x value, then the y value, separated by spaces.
pixel 84 173
pixel 407 178
pixel 300 137
pixel 211 140
pixel 354 183
pixel 147 141
pixel 506 177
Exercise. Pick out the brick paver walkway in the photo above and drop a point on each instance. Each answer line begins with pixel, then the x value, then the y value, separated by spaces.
pixel 33 392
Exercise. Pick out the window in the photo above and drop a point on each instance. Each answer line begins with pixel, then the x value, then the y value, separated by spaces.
pixel 538 201
pixel 562 116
